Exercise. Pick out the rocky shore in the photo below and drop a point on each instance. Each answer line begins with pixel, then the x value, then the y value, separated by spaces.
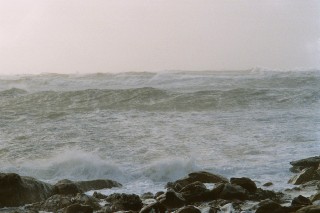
pixel 198 192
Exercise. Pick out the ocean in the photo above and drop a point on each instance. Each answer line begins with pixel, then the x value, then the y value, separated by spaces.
pixel 144 129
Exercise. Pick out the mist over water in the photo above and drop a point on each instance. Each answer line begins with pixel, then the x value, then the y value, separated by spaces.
pixel 144 129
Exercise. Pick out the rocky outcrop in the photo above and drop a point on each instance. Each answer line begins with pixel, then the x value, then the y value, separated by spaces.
pixel 202 176
pixel 188 209
pixel 307 162
pixel 16 190
pixel 306 175
pixel 245 182
pixel 124 202
pixel 171 200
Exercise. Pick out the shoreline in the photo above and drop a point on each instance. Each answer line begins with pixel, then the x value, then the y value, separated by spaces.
pixel 198 192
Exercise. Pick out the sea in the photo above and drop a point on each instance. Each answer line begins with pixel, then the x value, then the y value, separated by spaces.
pixel 144 129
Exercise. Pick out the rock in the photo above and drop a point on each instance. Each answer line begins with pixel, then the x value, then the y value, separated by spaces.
pixel 125 202
pixel 307 162
pixel 268 206
pixel 305 176
pixel 268 184
pixel 171 200
pixel 188 209
pixel 87 200
pixel 56 202
pixel 153 207
pixel 315 197
pixel 301 201
pixel 231 192
pixel 309 209
pixel 157 194
pixel 97 184
pixel 147 195
pixel 262 194
pixel 17 190
pixel 66 187
pixel 98 195
pixel 245 182
pixel 78 208
pixel 202 176
pixel 194 192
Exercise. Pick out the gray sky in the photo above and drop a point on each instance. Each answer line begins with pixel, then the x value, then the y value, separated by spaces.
pixel 85 36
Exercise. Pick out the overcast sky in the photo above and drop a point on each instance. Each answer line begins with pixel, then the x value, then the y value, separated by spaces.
pixel 85 36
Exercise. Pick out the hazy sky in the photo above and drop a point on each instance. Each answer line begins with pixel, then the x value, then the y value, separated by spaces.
pixel 151 35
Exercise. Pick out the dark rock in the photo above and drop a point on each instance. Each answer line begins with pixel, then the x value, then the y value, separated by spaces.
pixel 147 195
pixel 202 176
pixel 157 194
pixel 153 207
pixel 309 209
pixel 194 192
pixel 17 190
pixel 315 197
pixel 188 209
pixel 262 194
pixel 231 192
pixel 268 206
pixel 97 184
pixel 301 201
pixel 98 195
pixel 307 162
pixel 171 200
pixel 305 176
pixel 78 208
pixel 56 202
pixel 245 182
pixel 66 187
pixel 87 200
pixel 268 184
pixel 125 202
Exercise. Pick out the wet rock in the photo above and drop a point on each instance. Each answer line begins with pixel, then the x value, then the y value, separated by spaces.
pixel 125 202
pixel 231 192
pixel 305 176
pixel 245 182
pixel 17 190
pixel 78 208
pixel 87 200
pixel 171 200
pixel 202 176
pixel 153 207
pixel 97 184
pixel 194 192
pixel 55 202
pixel 301 201
pixel 188 209
pixel 307 162
pixel 147 195
pixel 157 194
pixel 268 206
pixel 262 194
pixel 315 197
pixel 66 187
pixel 268 184
pixel 309 209
pixel 98 195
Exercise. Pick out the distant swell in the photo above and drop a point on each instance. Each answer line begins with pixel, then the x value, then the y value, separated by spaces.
pixel 54 104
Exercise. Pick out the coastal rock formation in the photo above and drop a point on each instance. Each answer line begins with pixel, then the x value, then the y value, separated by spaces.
pixel 124 202
pixel 201 176
pixel 245 182
pixel 188 209
pixel 307 162
pixel 306 175
pixel 171 200
pixel 17 190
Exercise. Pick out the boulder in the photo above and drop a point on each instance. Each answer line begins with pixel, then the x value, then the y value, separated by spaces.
pixel 245 182
pixel 188 209
pixel 268 206
pixel 153 207
pixel 232 192
pixel 315 197
pixel 97 184
pixel 17 190
pixel 194 192
pixel 306 175
pixel 171 200
pixel 66 187
pixel 262 194
pixel 300 201
pixel 78 208
pixel 125 202
pixel 54 203
pixel 309 209
pixel 202 176
pixel 307 162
